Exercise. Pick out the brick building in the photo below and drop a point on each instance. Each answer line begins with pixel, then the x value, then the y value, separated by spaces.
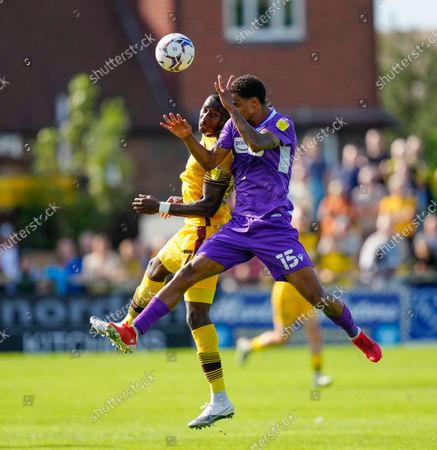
pixel 317 59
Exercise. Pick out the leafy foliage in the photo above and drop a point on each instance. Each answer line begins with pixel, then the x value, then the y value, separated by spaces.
pixel 411 93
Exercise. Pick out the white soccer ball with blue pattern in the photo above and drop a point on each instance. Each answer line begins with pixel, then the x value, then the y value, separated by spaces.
pixel 175 52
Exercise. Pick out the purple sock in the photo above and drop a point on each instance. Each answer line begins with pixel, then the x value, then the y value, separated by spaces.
pixel 151 314
pixel 345 321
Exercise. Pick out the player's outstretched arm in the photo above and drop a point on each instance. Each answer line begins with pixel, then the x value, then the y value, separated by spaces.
pixel 207 206
pixel 178 126
pixel 256 140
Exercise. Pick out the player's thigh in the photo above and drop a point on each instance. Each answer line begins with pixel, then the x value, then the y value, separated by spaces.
pixel 198 269
pixel 170 254
pixel 227 247
pixel 275 242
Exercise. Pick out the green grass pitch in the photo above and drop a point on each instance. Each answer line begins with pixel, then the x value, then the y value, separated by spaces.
pixel 390 405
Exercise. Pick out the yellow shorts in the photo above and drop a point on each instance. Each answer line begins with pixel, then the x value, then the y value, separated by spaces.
pixel 287 304
pixel 181 249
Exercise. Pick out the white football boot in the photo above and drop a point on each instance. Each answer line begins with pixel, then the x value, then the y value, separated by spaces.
pixel 220 408
pixel 99 326
pixel 321 380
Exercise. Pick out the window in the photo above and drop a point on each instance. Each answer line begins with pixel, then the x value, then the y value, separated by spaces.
pixel 11 145
pixel 264 20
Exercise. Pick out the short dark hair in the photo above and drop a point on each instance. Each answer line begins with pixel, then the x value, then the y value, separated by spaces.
pixel 247 86
pixel 213 101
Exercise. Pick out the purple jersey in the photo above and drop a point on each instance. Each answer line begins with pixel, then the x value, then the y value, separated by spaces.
pixel 261 179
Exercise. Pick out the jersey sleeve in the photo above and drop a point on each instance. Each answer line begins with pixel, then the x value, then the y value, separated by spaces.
pixel 222 174
pixel 226 138
pixel 283 127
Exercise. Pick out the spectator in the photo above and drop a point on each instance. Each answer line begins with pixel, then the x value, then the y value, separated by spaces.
pixel 339 241
pixel 425 261
pixel 101 266
pixel 419 172
pixel 85 241
pixel 375 150
pixel 400 205
pixel 29 276
pixel 334 206
pixel 9 259
pixel 429 235
pixel 315 164
pixel 65 274
pixel 300 193
pixel 131 271
pixel 307 234
pixel 338 252
pixel 414 153
pixel 380 254
pixel 366 198
pixel 347 170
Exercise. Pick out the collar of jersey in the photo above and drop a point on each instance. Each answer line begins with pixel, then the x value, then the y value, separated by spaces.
pixel 270 117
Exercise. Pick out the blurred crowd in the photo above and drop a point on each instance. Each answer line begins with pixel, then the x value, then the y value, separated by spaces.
pixel 91 266
pixel 370 219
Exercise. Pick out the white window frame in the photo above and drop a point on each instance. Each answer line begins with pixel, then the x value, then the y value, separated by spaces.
pixel 252 33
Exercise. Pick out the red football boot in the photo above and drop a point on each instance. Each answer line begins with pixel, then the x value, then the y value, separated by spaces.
pixel 123 336
pixel 368 346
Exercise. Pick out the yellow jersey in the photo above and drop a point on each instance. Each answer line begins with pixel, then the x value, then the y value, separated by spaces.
pixel 192 185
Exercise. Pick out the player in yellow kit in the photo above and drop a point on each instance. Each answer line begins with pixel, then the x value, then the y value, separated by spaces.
pixel 291 311
pixel 203 203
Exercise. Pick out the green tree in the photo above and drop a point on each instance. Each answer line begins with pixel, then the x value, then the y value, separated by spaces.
pixel 411 95
pixel 88 148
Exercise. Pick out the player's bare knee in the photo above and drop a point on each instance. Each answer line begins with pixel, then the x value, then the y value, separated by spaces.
pixel 196 318
pixel 156 271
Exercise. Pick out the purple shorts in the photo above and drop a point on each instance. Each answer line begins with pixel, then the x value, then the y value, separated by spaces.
pixel 274 241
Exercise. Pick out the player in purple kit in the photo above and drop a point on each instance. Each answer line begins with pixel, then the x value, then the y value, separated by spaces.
pixel 263 142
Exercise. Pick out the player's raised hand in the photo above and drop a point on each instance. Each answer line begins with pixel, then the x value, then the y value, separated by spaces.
pixel 145 204
pixel 224 92
pixel 177 125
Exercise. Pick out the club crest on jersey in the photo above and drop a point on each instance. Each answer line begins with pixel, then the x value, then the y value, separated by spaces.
pixel 282 124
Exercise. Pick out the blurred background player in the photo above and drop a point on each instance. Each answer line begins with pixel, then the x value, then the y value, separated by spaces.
pixel 203 203
pixel 287 307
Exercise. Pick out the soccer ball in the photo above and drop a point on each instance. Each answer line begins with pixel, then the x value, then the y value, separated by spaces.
pixel 174 52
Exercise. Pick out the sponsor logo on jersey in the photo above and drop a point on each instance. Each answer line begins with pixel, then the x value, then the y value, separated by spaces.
pixel 241 147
